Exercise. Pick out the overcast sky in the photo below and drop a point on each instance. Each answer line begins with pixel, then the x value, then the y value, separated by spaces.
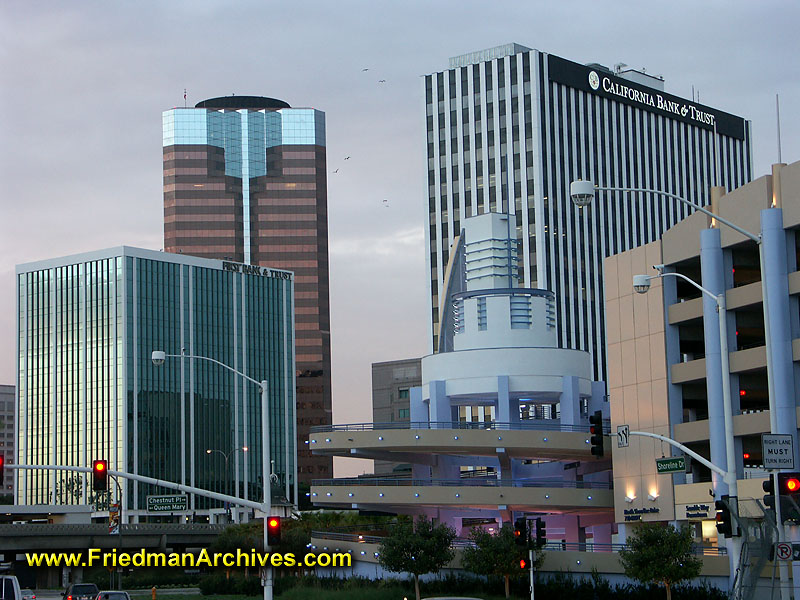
pixel 83 85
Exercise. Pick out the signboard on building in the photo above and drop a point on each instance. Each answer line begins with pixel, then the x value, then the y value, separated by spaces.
pixel 676 464
pixel 162 504
pixel 778 451
pixel 113 519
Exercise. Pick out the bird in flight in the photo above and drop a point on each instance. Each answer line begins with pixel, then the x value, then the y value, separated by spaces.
pixel 386 203
pixel 381 81
pixel 362 70
pixel 336 171
pixel 347 158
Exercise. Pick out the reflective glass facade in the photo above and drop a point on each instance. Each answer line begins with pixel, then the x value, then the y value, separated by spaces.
pixel 245 180
pixel 87 326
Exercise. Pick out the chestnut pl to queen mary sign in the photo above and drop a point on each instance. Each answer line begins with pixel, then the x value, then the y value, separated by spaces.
pixel 608 85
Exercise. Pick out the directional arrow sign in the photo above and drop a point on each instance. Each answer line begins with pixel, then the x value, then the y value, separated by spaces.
pixel 623 436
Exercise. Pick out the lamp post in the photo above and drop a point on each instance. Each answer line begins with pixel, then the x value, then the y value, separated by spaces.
pixel 641 284
pixel 226 456
pixel 158 357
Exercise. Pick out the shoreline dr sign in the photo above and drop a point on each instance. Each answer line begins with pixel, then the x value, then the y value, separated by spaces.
pixel 676 464
pixel 777 451
pixel 608 85
pixel 165 504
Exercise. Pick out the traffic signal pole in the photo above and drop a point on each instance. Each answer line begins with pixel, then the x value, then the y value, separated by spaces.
pixel 530 560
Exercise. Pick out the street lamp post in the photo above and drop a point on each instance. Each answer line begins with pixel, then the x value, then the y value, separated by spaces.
pixel 226 456
pixel 158 357
pixel 641 284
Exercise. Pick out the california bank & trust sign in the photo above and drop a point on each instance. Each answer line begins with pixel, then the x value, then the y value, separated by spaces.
pixel 653 100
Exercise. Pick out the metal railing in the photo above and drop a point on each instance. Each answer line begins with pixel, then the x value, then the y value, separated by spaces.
pixel 465 482
pixel 525 425
pixel 551 546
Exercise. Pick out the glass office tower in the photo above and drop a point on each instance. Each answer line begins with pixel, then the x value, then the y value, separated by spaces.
pixel 88 389
pixel 245 180
pixel 508 129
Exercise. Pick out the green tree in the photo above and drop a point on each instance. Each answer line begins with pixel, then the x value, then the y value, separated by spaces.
pixel 497 554
pixel 660 554
pixel 417 548
pixel 244 537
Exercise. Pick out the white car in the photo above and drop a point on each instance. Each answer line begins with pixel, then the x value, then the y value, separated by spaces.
pixel 9 588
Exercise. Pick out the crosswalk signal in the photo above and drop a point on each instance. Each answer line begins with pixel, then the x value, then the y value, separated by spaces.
pixel 724 522
pixel 273 531
pixel 100 475
pixel 541 533
pixel 521 533
pixel 596 429
pixel 523 563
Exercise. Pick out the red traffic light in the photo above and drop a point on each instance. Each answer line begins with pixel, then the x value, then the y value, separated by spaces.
pixel 793 484
pixel 523 563
pixel 99 475
pixel 273 523
pixel 273 531
pixel 2 467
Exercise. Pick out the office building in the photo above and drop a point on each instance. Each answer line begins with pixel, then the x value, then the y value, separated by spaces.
pixel 499 427
pixel 391 390
pixel 88 389
pixel 245 180
pixel 664 353
pixel 508 129
pixel 8 436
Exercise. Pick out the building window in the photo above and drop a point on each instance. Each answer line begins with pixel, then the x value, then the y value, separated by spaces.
pixel 481 314
pixel 403 394
pixel 404 413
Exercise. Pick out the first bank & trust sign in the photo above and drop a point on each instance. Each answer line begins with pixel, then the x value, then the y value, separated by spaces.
pixel 653 100
pixel 255 270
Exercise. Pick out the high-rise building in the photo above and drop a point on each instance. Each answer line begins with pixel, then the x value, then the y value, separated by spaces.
pixel 509 128
pixel 86 328
pixel 8 435
pixel 245 179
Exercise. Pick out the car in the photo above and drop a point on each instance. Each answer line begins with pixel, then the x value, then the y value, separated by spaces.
pixel 28 595
pixel 9 588
pixel 81 591
pixel 112 595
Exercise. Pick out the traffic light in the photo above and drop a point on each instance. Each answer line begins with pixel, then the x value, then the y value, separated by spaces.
pixel 768 485
pixel 273 531
pixel 724 520
pixel 523 563
pixel 2 467
pixel 541 533
pixel 789 493
pixel 99 475
pixel 596 429
pixel 521 533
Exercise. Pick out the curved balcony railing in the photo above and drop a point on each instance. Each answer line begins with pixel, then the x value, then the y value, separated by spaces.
pixel 527 425
pixel 551 546
pixel 466 482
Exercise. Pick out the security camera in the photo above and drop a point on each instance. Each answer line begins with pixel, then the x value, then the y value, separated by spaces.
pixel 159 357
pixel 641 283
pixel 581 192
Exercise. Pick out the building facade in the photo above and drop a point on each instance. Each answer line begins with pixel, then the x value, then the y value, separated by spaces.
pixel 499 427
pixel 8 435
pixel 88 389
pixel 391 392
pixel 245 180
pixel 665 359
pixel 508 129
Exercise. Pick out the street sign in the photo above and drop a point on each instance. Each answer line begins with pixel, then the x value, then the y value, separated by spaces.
pixel 676 464
pixel 623 436
pixel 161 504
pixel 778 451
pixel 783 551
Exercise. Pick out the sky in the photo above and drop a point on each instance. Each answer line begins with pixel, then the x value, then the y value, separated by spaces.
pixel 83 85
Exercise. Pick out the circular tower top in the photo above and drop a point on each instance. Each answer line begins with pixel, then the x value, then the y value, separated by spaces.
pixel 240 102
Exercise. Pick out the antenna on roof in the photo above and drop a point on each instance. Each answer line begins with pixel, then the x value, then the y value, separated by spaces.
pixel 778 119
